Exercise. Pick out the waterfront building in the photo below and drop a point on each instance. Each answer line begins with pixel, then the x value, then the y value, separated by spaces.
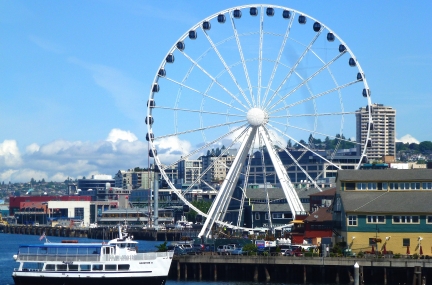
pixel 383 132
pixel 95 187
pixel 189 171
pixel 216 168
pixel 384 210
pixel 316 167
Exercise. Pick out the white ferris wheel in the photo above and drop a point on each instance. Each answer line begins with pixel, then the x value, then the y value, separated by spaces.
pixel 252 80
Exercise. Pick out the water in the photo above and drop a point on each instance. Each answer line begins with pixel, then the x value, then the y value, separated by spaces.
pixel 10 242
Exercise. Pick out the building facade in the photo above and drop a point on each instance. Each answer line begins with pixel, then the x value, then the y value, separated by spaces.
pixel 384 210
pixel 383 131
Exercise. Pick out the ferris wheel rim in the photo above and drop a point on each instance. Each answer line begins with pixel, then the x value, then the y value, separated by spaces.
pixel 197 26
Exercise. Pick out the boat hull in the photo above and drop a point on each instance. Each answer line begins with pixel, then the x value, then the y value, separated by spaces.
pixel 32 280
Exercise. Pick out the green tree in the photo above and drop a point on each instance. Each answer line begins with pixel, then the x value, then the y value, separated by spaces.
pixel 202 205
pixel 162 247
pixel 425 146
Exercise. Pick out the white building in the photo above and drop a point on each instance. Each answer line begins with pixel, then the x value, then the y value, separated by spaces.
pixel 383 131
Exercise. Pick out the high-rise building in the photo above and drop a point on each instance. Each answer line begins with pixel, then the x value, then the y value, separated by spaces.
pixel 189 171
pixel 382 141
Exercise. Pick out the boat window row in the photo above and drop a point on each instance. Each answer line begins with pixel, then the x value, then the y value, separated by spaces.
pixel 392 186
pixel 61 250
pixel 87 267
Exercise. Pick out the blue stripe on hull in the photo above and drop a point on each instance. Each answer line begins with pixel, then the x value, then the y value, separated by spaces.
pixel 88 281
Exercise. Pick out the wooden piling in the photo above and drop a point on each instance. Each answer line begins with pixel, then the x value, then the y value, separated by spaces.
pixel 267 274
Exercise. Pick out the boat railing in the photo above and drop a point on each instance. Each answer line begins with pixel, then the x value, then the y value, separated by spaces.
pixel 58 257
pixel 91 257
pixel 138 256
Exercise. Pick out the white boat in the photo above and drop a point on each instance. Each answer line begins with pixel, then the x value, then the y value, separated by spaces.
pixel 73 263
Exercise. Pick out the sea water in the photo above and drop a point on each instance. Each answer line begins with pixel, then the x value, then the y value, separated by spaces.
pixel 9 246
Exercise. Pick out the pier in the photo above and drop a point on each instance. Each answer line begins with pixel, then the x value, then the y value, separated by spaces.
pixel 100 232
pixel 301 270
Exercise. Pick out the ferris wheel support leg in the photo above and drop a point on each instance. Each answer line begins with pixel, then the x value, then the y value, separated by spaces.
pixel 220 205
pixel 287 187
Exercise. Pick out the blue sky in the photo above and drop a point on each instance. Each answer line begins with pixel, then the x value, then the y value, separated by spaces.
pixel 75 75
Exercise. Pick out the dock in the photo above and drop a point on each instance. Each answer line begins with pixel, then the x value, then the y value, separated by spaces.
pixel 100 232
pixel 300 270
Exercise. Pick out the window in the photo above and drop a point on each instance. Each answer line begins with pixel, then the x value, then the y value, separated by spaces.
pixel 406 242
pixel 123 267
pixel 427 185
pixel 352 220
pixel 266 216
pixel 277 216
pixel 372 186
pixel 415 186
pixel 405 219
pixel 361 186
pixel 97 267
pixel 110 267
pixel 393 186
pixel 384 186
pixel 376 219
pixel 349 186
pixel 404 186
pixel 428 219
pixel 257 216
pixel 85 267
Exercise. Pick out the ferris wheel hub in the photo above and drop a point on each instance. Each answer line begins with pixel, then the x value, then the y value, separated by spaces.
pixel 256 117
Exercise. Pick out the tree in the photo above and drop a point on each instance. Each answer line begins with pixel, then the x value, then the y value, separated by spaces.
pixel 289 144
pixel 162 247
pixel 425 146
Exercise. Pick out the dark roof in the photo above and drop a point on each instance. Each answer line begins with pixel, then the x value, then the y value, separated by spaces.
pixel 321 215
pixel 387 201
pixel 277 193
pixel 327 192
pixel 273 208
pixel 385 175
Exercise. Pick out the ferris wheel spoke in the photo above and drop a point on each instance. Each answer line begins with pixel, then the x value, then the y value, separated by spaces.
pixel 200 129
pixel 302 169
pixel 199 111
pixel 261 40
pixel 211 165
pixel 204 94
pixel 284 180
pixel 304 146
pixel 315 96
pixel 311 131
pixel 293 68
pixel 314 115
pixel 220 204
pixel 205 146
pixel 214 79
pixel 264 168
pixel 325 66
pixel 239 47
pixel 245 182
pixel 277 61
pixel 227 68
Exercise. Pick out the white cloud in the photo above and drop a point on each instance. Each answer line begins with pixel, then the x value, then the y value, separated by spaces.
pixel 32 148
pixel 408 139
pixel 9 153
pixel 117 134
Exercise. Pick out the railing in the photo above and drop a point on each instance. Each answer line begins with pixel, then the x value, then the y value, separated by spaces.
pixel 91 257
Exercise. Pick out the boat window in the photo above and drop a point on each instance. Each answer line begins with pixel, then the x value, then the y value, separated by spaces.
pixel 123 267
pixel 110 267
pixel 61 267
pixel 85 267
pixel 122 245
pixel 97 267
pixel 73 267
pixel 50 267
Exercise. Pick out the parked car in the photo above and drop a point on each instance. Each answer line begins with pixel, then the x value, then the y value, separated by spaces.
pixel 224 249
pixel 177 250
pixel 237 251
